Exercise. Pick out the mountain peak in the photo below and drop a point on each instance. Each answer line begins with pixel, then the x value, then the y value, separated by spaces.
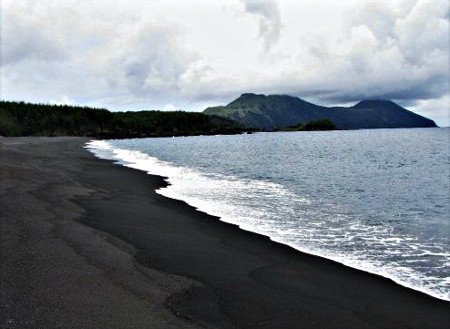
pixel 277 111
pixel 252 97
pixel 375 103
pixel 246 97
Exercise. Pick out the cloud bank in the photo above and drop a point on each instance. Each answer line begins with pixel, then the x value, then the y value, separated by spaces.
pixel 153 54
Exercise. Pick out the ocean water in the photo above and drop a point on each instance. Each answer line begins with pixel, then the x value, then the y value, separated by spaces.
pixel 375 200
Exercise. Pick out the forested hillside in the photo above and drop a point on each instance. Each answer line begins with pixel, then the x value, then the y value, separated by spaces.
pixel 278 111
pixel 24 119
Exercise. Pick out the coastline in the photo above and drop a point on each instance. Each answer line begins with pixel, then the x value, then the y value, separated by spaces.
pixel 135 159
pixel 173 265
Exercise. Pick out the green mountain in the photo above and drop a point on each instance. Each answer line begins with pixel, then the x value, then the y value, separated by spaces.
pixel 279 111
pixel 24 119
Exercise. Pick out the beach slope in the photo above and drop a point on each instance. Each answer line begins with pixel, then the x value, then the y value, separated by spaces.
pixel 90 244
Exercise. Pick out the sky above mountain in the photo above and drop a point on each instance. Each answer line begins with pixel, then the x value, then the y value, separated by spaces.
pixel 167 54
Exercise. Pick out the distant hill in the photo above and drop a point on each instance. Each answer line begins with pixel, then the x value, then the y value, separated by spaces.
pixel 278 111
pixel 24 119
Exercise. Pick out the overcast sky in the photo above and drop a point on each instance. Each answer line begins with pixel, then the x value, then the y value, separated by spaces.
pixel 162 54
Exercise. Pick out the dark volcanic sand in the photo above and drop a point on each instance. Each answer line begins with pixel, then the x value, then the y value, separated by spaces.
pixel 89 244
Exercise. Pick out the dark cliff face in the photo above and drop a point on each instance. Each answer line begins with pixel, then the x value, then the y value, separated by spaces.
pixel 277 111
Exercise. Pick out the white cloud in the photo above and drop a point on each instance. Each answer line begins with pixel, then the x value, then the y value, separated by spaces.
pixel 438 108
pixel 378 56
pixel 27 39
pixel 63 100
pixel 148 54
pixel 86 55
pixel 153 67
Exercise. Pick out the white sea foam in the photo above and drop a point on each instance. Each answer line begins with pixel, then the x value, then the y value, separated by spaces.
pixel 265 207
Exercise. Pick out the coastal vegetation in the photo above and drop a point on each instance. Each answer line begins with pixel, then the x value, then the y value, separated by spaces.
pixel 25 119
pixel 249 112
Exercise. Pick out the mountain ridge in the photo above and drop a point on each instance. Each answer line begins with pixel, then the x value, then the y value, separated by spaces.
pixel 270 112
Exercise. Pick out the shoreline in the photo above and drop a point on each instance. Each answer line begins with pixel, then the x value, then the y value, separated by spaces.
pixel 131 164
pixel 204 272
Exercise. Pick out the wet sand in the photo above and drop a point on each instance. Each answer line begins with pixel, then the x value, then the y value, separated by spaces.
pixel 89 244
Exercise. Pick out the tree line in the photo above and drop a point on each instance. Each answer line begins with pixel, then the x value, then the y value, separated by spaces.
pixel 26 119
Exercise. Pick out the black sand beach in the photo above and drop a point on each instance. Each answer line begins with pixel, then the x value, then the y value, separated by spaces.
pixel 89 244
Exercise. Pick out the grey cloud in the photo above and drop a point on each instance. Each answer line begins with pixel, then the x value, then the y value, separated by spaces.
pixel 387 53
pixel 117 59
pixel 24 39
pixel 155 64
pixel 85 56
pixel 269 17
pixel 409 56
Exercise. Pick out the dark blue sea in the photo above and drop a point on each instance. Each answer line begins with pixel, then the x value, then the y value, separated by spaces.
pixel 376 200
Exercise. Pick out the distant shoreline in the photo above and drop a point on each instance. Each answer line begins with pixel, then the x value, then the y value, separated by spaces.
pixel 27 119
pixel 144 259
